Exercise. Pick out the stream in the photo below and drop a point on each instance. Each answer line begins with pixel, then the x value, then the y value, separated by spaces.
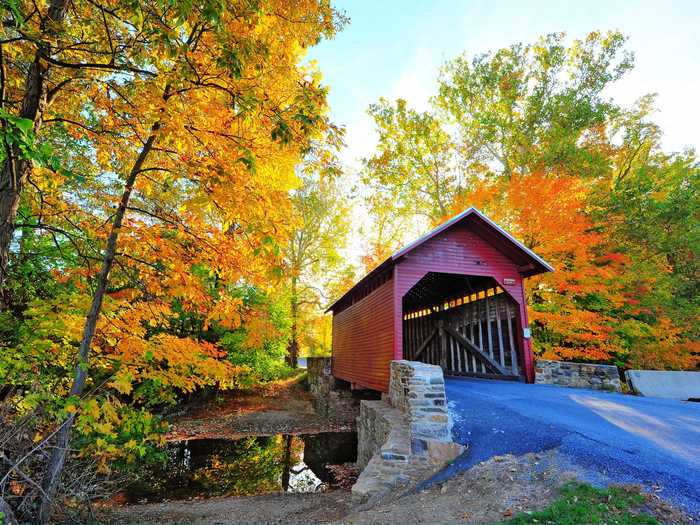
pixel 199 468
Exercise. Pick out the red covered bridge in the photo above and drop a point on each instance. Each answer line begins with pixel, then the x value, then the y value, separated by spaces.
pixel 453 298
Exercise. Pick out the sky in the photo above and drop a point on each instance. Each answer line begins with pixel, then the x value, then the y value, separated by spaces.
pixel 394 48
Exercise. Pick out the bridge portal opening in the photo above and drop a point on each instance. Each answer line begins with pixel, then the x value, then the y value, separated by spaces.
pixel 466 324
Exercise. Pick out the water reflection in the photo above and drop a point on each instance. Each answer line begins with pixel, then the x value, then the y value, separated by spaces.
pixel 252 465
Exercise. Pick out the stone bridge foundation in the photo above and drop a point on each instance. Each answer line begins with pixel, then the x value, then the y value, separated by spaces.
pixel 406 435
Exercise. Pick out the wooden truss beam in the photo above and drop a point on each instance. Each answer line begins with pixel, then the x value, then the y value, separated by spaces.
pixel 425 343
pixel 484 358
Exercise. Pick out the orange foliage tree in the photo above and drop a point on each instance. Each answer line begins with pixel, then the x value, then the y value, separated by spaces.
pixel 548 214
pixel 589 308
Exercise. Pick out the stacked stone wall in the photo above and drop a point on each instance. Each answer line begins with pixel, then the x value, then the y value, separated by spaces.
pixel 331 398
pixel 406 435
pixel 580 375
pixel 374 426
pixel 418 389
pixel 321 381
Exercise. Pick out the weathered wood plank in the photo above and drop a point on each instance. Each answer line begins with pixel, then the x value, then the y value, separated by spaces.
pixel 499 327
pixel 458 358
pixel 489 334
pixel 471 329
pixel 485 359
pixel 425 344
pixel 481 333
pixel 408 344
pixel 442 352
pixel 461 357
pixel 420 334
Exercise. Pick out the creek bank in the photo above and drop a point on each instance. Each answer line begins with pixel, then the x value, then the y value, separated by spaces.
pixel 275 508
pixel 284 407
pixel 269 442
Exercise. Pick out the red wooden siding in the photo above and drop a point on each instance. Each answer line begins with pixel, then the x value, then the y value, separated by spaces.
pixel 457 250
pixel 363 339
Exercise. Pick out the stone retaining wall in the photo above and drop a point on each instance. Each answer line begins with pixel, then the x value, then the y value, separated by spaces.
pixel 580 375
pixel 418 389
pixel 407 435
pixel 331 399
pixel 321 381
pixel 374 426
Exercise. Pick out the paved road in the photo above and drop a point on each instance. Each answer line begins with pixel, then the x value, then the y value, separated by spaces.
pixel 615 437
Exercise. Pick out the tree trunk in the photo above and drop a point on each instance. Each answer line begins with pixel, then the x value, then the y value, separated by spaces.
pixel 293 346
pixel 52 476
pixel 293 349
pixel 287 467
pixel 15 170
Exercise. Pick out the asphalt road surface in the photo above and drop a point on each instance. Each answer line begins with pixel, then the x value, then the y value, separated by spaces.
pixel 613 437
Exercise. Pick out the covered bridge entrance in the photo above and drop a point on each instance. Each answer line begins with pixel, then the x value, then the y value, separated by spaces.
pixel 453 298
pixel 466 324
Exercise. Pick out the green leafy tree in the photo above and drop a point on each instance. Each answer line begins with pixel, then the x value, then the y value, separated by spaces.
pixel 539 107
pixel 650 208
pixel 314 255
pixel 414 164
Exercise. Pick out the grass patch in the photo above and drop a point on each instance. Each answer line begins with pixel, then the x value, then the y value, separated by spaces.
pixel 582 504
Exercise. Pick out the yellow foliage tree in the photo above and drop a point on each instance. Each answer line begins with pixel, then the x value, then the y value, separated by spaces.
pixel 192 118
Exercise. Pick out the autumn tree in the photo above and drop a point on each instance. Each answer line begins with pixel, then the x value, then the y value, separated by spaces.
pixel 649 207
pixel 414 165
pixel 535 108
pixel 194 116
pixel 387 230
pixel 522 109
pixel 49 54
pixel 571 309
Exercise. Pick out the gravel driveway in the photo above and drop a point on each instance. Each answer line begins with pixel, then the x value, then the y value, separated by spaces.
pixel 612 437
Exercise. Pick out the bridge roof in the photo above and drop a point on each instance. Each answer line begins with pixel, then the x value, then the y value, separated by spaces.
pixel 529 263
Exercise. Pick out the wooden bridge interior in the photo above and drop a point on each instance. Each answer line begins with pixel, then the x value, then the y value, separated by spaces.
pixel 465 324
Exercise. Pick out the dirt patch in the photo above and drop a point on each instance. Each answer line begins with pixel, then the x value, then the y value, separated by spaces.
pixel 271 508
pixel 490 491
pixel 284 407
pixel 664 511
